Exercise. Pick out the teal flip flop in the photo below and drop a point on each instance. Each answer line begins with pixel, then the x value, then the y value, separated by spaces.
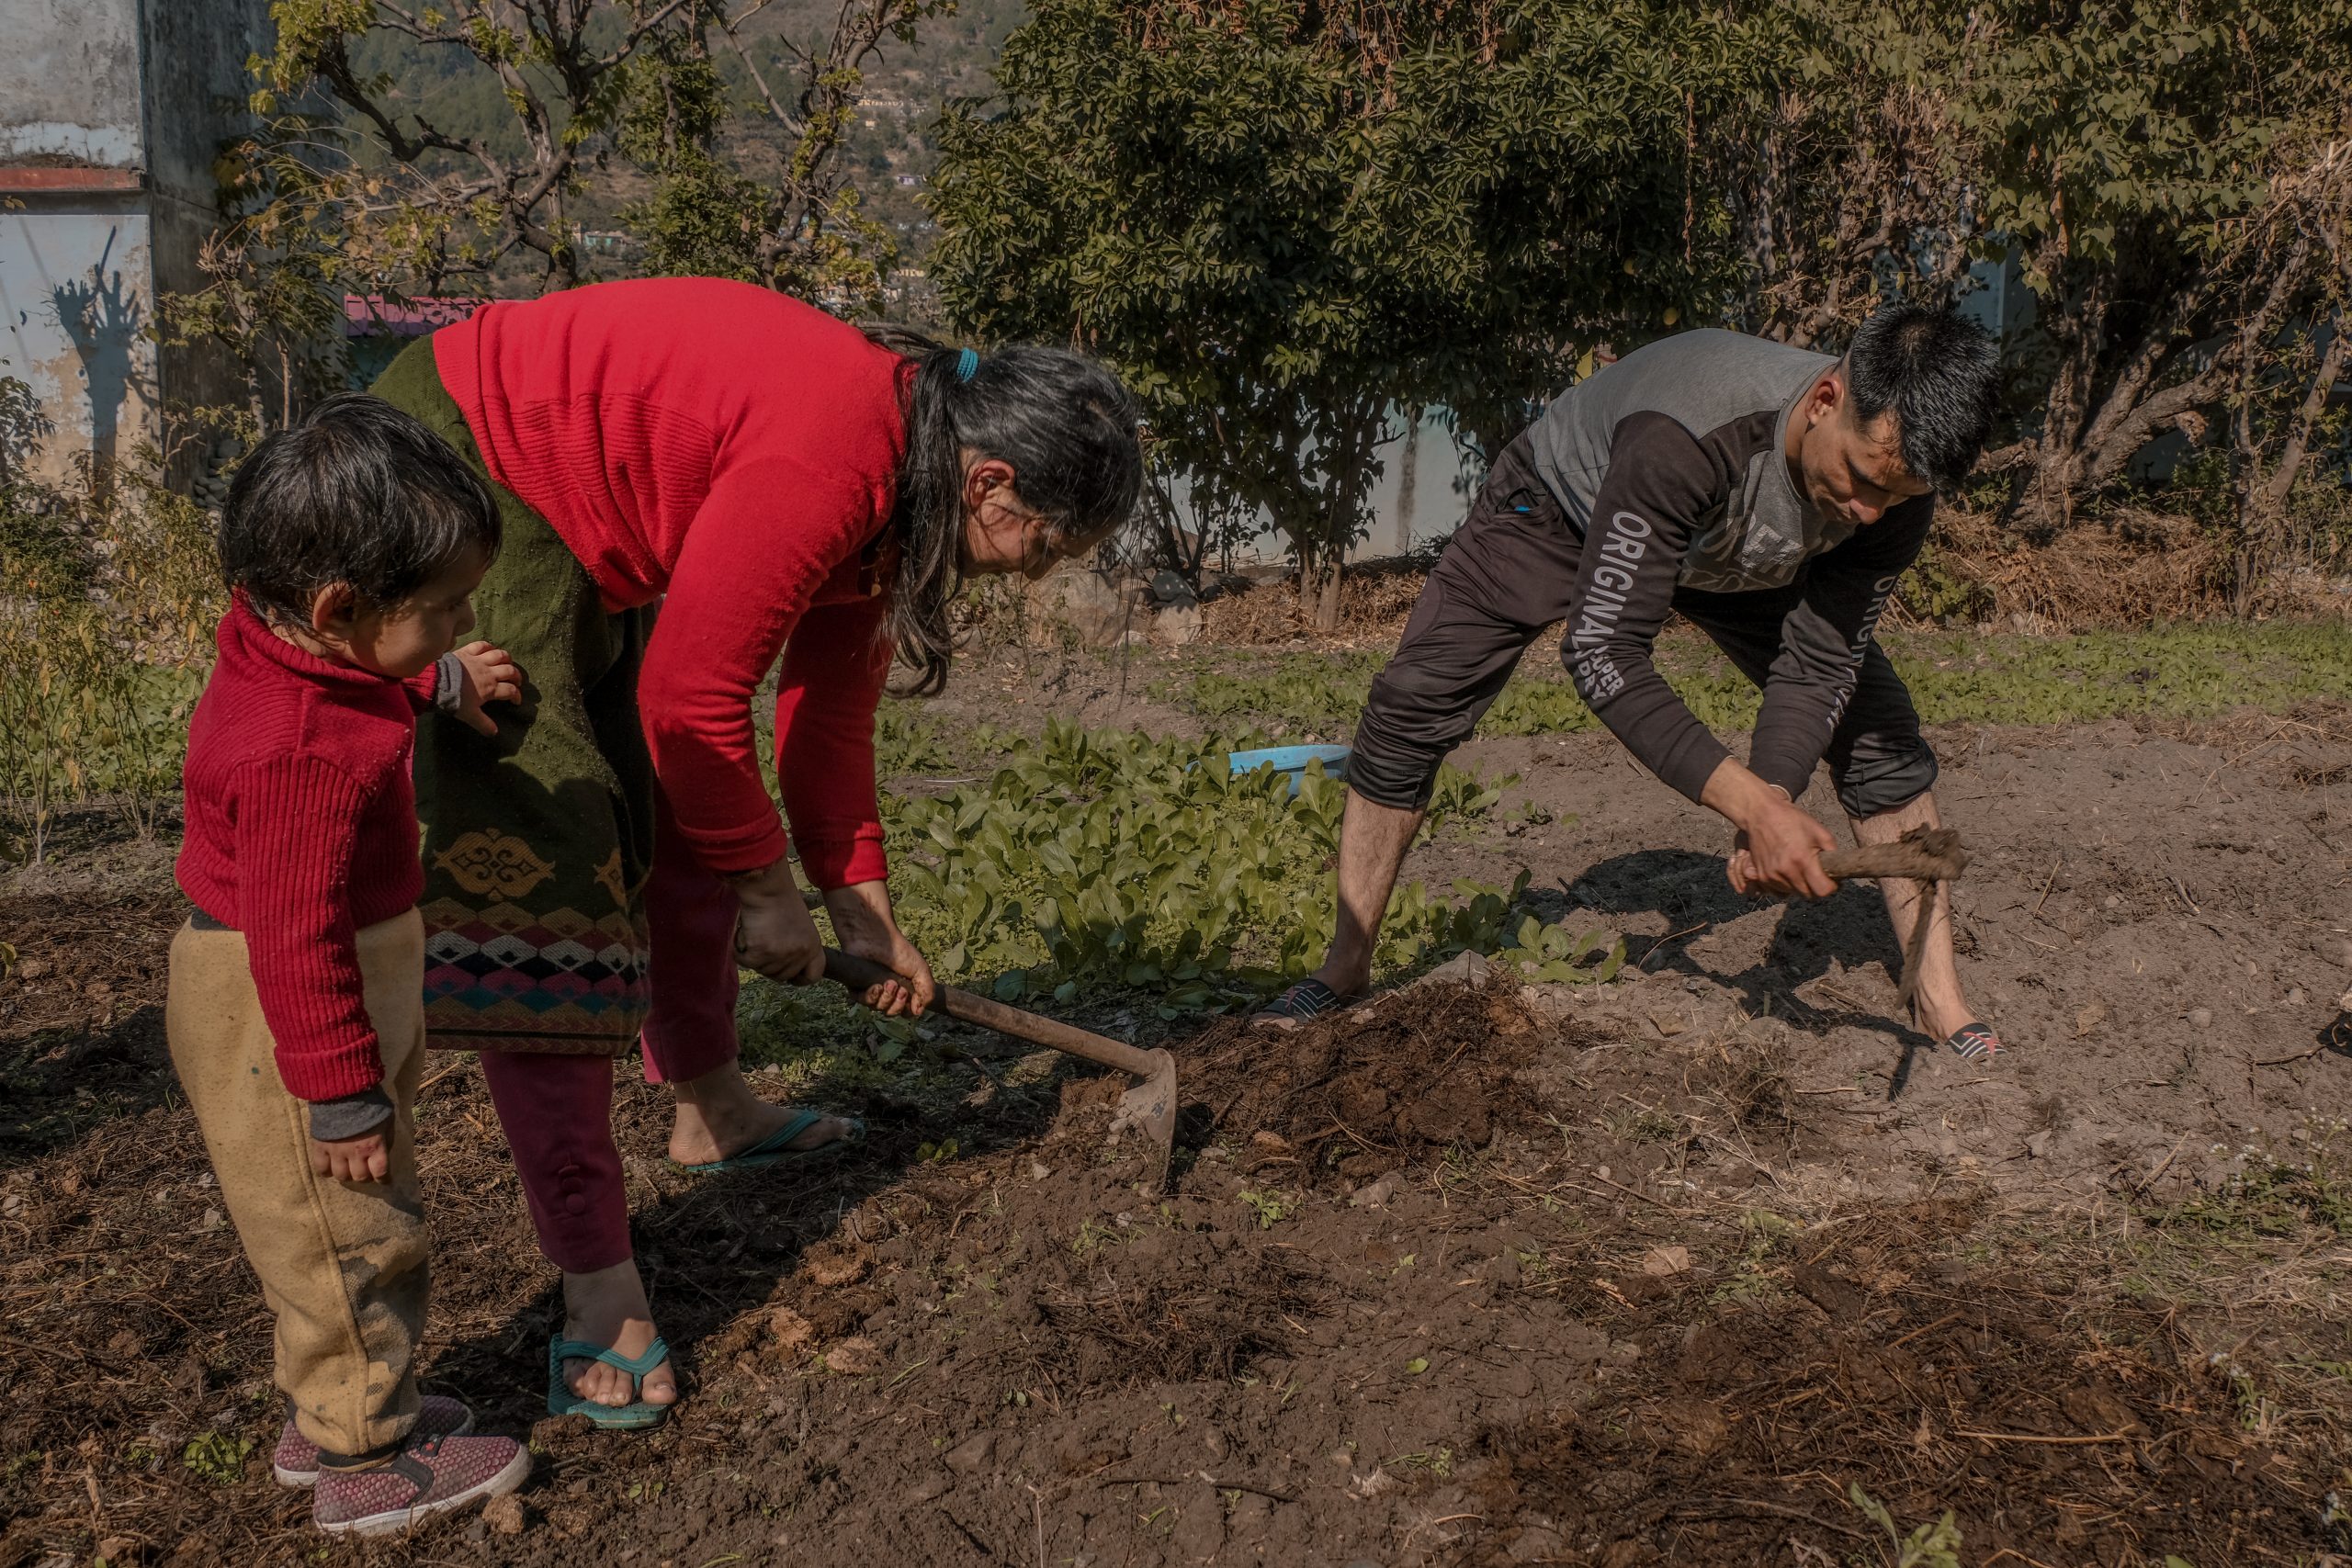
pixel 773 1149
pixel 633 1416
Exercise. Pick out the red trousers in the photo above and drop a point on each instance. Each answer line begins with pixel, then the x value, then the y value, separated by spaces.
pixel 558 1111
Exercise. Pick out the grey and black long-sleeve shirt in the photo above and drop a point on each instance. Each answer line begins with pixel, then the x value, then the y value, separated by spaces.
pixel 1671 465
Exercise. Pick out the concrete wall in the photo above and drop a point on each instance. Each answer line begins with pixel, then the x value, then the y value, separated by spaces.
pixel 1424 490
pixel 77 297
pixel 196 94
pixel 197 89
pixel 157 87
pixel 69 82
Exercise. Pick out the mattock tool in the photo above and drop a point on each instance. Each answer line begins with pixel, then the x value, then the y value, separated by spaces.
pixel 1151 1105
pixel 1928 856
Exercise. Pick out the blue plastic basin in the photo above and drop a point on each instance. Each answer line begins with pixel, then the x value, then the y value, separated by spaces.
pixel 1292 760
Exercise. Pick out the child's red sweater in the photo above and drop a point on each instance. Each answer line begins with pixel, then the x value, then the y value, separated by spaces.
pixel 301 829
pixel 732 453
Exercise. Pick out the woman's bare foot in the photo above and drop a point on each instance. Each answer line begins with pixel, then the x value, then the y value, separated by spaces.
pixel 719 1117
pixel 608 1307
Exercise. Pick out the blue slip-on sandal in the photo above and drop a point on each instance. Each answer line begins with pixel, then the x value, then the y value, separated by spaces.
pixel 1974 1042
pixel 1304 1002
pixel 776 1147
pixel 633 1416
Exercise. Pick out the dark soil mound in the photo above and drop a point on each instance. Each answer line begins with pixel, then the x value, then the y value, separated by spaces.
pixel 1775 1416
pixel 1376 1089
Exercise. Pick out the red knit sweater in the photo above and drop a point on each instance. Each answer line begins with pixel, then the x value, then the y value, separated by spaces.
pixel 301 829
pixel 734 453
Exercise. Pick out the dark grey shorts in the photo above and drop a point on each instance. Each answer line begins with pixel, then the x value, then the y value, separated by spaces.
pixel 1507 575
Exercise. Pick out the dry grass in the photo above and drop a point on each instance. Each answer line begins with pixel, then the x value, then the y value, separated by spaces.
pixel 2129 567
pixel 1374 599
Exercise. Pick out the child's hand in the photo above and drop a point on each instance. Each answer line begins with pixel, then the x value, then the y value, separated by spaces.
pixel 351 1159
pixel 489 677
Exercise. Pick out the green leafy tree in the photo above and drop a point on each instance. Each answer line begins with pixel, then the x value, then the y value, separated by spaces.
pixel 1839 166
pixel 2170 178
pixel 429 200
pixel 274 277
pixel 1284 223
pixel 799 225
pixel 2173 175
pixel 418 197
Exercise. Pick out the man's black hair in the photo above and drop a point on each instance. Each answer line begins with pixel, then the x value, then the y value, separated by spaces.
pixel 357 493
pixel 1938 372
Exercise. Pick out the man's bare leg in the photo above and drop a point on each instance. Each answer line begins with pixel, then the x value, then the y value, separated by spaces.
pixel 1937 1005
pixel 1372 841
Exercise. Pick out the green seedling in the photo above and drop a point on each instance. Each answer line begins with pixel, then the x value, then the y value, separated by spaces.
pixel 1549 953
pixel 1929 1546
pixel 1269 1207
pixel 218 1458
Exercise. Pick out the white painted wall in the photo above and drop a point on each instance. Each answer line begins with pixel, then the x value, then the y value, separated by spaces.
pixel 77 297
pixel 1424 490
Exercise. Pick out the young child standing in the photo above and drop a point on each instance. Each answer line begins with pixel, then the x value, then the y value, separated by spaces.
pixel 352 545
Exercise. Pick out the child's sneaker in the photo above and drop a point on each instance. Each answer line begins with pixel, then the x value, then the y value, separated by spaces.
pixel 429 1475
pixel 295 1461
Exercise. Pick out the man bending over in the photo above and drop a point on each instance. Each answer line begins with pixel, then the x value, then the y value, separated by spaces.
pixel 1770 495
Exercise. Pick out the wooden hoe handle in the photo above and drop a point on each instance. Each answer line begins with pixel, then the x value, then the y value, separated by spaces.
pixel 858 974
pixel 1927 854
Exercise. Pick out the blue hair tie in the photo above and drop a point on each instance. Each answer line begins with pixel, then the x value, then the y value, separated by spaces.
pixel 966 363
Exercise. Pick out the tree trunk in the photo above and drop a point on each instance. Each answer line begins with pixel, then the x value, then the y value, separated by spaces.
pixel 2076 331
pixel 1327 595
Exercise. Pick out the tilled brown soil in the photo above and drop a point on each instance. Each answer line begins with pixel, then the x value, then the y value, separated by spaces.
pixel 1700 1267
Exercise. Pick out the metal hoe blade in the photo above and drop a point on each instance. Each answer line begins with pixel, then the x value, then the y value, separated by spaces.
pixel 1151 1106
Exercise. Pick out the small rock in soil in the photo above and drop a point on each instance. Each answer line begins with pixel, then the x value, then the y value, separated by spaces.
pixel 1663 1261
pixel 968 1457
pixel 853 1355
pixel 2200 1018
pixel 503 1514
pixel 790 1330
pixel 835 1263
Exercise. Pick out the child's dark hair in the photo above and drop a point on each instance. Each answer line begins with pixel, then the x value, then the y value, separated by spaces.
pixel 1065 425
pixel 357 493
pixel 1940 373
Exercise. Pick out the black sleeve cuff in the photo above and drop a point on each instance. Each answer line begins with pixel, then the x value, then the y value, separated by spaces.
pixel 449 683
pixel 332 1120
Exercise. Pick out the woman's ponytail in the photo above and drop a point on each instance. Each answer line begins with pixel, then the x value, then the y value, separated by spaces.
pixel 1063 423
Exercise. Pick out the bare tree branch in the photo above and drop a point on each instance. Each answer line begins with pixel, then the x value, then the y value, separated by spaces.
pixel 2291 459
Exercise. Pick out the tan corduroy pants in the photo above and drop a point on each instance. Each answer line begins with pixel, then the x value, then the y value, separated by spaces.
pixel 343 1265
